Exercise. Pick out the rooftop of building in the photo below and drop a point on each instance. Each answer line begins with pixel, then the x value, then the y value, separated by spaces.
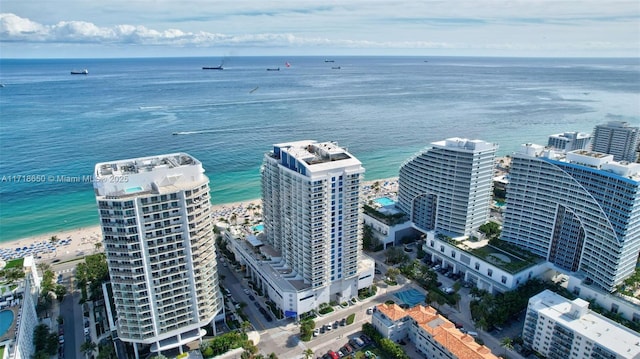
pixel 500 254
pixel 461 345
pixel 591 159
pixel 576 316
pixel 144 164
pixel 464 144
pixel 313 152
pixel 571 135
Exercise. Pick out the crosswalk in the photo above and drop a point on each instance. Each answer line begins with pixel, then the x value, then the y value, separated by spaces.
pixel 68 270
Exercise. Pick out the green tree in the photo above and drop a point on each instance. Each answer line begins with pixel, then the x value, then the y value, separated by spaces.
pixel 393 273
pixel 60 291
pixel 308 353
pixel 106 351
pixel 245 326
pixel 274 356
pixel 507 343
pixel 88 347
pixel 396 255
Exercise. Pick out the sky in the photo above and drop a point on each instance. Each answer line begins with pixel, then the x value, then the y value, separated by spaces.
pixel 156 28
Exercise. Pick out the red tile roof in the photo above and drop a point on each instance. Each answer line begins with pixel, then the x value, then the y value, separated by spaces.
pixel 462 345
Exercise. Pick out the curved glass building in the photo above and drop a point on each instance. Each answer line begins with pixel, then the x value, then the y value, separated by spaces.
pixel 579 210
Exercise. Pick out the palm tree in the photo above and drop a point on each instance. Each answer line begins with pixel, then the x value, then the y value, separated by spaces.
pixel 43 266
pixel 244 326
pixel 274 356
pixel 506 343
pixel 97 247
pixel 308 353
pixel 88 347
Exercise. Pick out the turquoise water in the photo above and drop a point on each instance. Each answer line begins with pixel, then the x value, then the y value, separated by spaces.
pixel 133 189
pixel 6 318
pixel 411 297
pixel 499 204
pixel 384 201
pixel 259 228
pixel 167 105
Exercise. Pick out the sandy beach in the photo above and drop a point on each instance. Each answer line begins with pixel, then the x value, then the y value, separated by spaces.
pixel 79 242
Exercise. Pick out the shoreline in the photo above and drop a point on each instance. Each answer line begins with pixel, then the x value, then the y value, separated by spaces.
pixel 77 242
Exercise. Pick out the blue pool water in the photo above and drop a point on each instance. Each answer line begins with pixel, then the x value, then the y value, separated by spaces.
pixel 258 228
pixel 133 189
pixel 499 204
pixel 411 297
pixel 384 201
pixel 6 318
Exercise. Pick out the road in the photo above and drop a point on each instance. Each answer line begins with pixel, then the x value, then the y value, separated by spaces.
pixel 71 311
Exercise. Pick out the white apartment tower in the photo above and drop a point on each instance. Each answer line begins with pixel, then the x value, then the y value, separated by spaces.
pixel 617 138
pixel 311 208
pixel 559 328
pixel 159 243
pixel 448 187
pixel 580 210
pixel 570 141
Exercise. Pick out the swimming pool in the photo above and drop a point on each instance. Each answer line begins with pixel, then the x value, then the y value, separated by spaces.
pixel 258 228
pixel 499 204
pixel 384 201
pixel 6 319
pixel 133 189
pixel 411 297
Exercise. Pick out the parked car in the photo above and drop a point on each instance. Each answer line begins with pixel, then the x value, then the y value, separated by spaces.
pixel 365 339
pixel 316 332
pixel 336 324
pixel 343 322
pixel 369 310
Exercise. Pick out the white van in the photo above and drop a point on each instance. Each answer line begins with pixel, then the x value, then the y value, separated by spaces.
pixel 473 334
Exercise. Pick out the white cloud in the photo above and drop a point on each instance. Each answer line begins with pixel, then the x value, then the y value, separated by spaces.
pixel 554 28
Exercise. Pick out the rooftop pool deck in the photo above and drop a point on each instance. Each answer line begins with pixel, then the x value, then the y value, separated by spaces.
pixel 384 201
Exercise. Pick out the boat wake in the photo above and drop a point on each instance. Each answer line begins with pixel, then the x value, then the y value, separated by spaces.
pixel 150 107
pixel 217 130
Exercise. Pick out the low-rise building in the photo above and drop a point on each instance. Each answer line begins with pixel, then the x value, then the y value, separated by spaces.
pixel 387 226
pixel 433 335
pixel 559 328
pixel 487 267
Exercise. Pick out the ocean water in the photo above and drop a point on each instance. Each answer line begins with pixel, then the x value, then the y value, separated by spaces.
pixel 55 126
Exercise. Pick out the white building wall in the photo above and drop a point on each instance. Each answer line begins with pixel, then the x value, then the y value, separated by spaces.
pixel 158 239
pixel 312 212
pixel 448 186
pixel 482 273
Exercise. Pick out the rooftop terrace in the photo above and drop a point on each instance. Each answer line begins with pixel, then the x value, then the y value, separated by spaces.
pixel 144 164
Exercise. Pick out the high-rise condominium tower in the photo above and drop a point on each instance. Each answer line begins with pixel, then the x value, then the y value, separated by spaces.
pixel 311 209
pixel 448 187
pixel 570 141
pixel 579 210
pixel 617 138
pixel 159 243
